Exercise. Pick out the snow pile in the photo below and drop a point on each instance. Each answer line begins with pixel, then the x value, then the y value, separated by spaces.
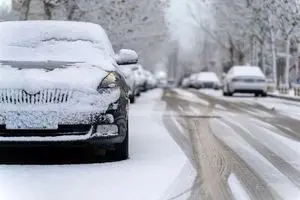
pixel 54 40
pixel 247 71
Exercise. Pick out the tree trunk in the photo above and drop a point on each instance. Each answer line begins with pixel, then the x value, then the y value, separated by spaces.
pixel 262 57
pixel 274 58
pixel 297 65
pixel 287 60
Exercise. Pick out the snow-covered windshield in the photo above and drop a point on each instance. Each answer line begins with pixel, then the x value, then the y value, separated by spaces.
pixel 53 41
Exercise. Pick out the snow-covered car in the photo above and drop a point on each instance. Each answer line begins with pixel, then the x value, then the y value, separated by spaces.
pixel 245 79
pixel 207 80
pixel 185 83
pixel 60 84
pixel 141 79
pixel 151 81
pixel 128 68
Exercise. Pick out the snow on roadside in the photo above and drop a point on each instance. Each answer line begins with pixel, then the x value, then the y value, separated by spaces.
pixel 154 164
pixel 189 96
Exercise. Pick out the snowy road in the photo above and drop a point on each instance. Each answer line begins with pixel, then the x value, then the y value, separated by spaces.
pixel 243 147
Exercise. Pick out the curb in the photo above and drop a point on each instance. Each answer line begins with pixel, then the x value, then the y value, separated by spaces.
pixel 297 99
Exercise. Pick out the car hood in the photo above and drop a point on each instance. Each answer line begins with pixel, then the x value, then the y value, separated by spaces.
pixel 75 76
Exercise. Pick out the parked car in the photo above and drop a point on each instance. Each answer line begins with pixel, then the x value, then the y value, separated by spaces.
pixel 60 86
pixel 151 81
pixel 245 79
pixel 207 80
pixel 193 79
pixel 185 83
pixel 128 69
pixel 141 79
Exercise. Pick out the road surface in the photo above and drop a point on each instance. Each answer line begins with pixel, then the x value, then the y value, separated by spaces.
pixel 242 147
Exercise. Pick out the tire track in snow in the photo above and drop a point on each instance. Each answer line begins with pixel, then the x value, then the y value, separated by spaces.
pixel 281 158
pixel 277 181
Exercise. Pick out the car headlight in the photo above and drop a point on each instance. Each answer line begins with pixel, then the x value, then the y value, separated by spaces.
pixel 109 81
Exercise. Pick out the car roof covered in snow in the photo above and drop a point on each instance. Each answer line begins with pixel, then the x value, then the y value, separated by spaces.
pixel 52 40
pixel 207 76
pixel 247 71
pixel 16 32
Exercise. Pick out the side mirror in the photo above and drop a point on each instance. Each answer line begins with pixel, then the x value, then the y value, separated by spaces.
pixel 126 57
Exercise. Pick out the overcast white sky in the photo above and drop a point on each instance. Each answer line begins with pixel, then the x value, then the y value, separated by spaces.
pixel 182 25
pixel 5 1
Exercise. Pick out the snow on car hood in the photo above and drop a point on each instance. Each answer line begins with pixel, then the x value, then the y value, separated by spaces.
pixel 79 76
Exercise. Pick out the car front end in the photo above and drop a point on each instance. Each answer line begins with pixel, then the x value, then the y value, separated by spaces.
pixel 38 114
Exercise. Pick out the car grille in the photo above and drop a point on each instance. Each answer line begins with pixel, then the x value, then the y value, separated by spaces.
pixel 78 129
pixel 45 96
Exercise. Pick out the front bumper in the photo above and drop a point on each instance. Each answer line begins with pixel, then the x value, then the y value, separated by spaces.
pixel 248 87
pixel 82 125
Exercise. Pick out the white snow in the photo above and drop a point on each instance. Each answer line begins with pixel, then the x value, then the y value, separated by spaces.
pixel 55 41
pixel 127 56
pixel 247 71
pixel 272 176
pixel 189 96
pixel 78 76
pixel 208 76
pixel 155 162
pixel 237 189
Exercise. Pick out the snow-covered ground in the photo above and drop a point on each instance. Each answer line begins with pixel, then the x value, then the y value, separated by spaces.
pixel 155 167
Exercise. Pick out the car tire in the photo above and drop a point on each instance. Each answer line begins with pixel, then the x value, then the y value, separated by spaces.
pixel 132 99
pixel 256 94
pixel 225 93
pixel 138 93
pixel 264 94
pixel 121 151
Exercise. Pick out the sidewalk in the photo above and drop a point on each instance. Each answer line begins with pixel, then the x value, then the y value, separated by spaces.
pixel 291 96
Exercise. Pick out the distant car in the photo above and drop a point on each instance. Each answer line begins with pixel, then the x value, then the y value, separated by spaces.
pixel 141 78
pixel 61 87
pixel 128 69
pixel 245 79
pixel 185 83
pixel 207 80
pixel 151 81
pixel 192 80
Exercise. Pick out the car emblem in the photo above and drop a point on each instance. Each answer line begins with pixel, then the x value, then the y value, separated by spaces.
pixel 31 92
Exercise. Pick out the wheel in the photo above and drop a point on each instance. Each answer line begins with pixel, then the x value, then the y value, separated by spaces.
pixel 264 94
pixel 225 93
pixel 230 94
pixel 138 93
pixel 132 98
pixel 256 94
pixel 120 150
